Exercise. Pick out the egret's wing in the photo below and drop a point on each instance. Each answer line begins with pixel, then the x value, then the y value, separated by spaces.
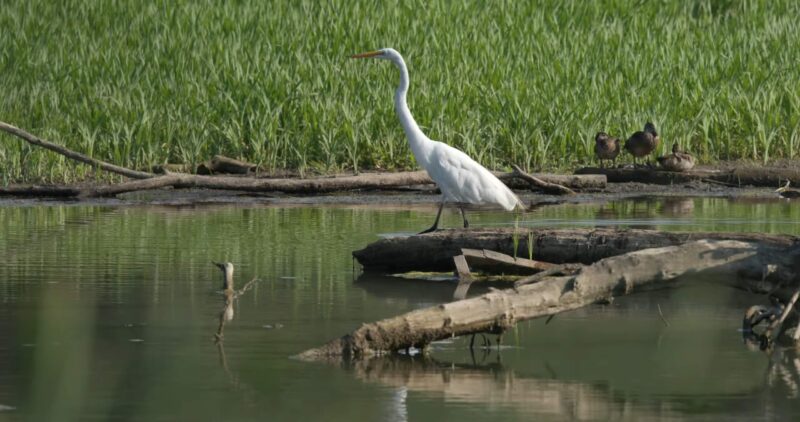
pixel 462 179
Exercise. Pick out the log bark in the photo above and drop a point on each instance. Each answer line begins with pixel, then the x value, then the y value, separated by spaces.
pixel 434 251
pixel 740 176
pixel 499 310
pixel 133 174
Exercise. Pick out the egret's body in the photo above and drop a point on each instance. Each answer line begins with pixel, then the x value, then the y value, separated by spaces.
pixel 460 178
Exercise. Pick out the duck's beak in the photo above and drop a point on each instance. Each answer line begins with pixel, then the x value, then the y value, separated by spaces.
pixel 367 54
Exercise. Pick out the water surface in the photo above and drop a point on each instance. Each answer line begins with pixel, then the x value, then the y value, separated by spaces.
pixel 108 313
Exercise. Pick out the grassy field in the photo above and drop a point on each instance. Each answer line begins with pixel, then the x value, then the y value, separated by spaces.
pixel 142 83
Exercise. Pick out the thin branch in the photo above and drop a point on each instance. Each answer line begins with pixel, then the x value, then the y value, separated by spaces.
pixel 547 187
pixel 133 174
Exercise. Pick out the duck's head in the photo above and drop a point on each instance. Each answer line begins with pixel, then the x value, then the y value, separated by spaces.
pixel 651 129
pixel 675 148
pixel 227 274
pixel 601 137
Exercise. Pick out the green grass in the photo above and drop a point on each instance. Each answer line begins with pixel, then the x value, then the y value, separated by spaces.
pixel 143 83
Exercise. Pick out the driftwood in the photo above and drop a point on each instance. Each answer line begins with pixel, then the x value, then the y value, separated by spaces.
pixel 744 176
pixel 495 262
pixel 499 310
pixel 549 183
pixel 492 262
pixel 133 174
pixel 222 164
pixel 435 251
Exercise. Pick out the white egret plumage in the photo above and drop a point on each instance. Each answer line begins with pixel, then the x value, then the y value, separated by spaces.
pixel 460 178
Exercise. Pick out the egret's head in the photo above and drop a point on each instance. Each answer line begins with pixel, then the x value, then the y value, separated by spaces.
pixel 785 188
pixel 384 53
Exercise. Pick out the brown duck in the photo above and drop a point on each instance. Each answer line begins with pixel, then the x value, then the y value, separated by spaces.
pixel 642 143
pixel 605 147
pixel 787 193
pixel 677 161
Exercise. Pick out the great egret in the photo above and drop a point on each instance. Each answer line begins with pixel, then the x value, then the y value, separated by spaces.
pixel 642 143
pixel 677 161
pixel 605 147
pixel 461 180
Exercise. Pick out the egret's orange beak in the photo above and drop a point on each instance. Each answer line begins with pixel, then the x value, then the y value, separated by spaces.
pixel 366 55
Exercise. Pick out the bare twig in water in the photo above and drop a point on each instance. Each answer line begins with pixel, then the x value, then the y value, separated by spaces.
pixel 776 328
pixel 661 314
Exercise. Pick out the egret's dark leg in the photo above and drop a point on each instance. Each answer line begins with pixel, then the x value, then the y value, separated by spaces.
pixel 436 222
pixel 464 216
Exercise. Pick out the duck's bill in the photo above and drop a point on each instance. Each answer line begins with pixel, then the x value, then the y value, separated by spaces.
pixel 366 55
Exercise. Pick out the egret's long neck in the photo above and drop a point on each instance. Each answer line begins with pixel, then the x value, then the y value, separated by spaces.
pixel 417 140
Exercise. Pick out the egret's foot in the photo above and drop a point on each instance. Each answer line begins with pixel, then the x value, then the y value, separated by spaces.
pixel 430 230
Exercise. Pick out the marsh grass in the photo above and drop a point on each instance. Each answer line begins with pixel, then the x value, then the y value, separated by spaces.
pixel 143 83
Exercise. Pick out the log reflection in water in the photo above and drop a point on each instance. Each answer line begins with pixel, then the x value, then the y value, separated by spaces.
pixel 494 384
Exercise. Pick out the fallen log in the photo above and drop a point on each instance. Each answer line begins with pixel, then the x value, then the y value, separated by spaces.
pixel 499 310
pixel 364 181
pixel 435 251
pixel 739 176
pixel 222 164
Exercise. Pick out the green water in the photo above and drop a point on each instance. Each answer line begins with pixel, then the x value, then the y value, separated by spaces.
pixel 109 314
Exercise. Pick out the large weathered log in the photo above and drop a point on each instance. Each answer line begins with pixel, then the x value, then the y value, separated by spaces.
pixel 298 186
pixel 738 176
pixel 133 174
pixel 435 251
pixel 499 310
pixel 363 181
